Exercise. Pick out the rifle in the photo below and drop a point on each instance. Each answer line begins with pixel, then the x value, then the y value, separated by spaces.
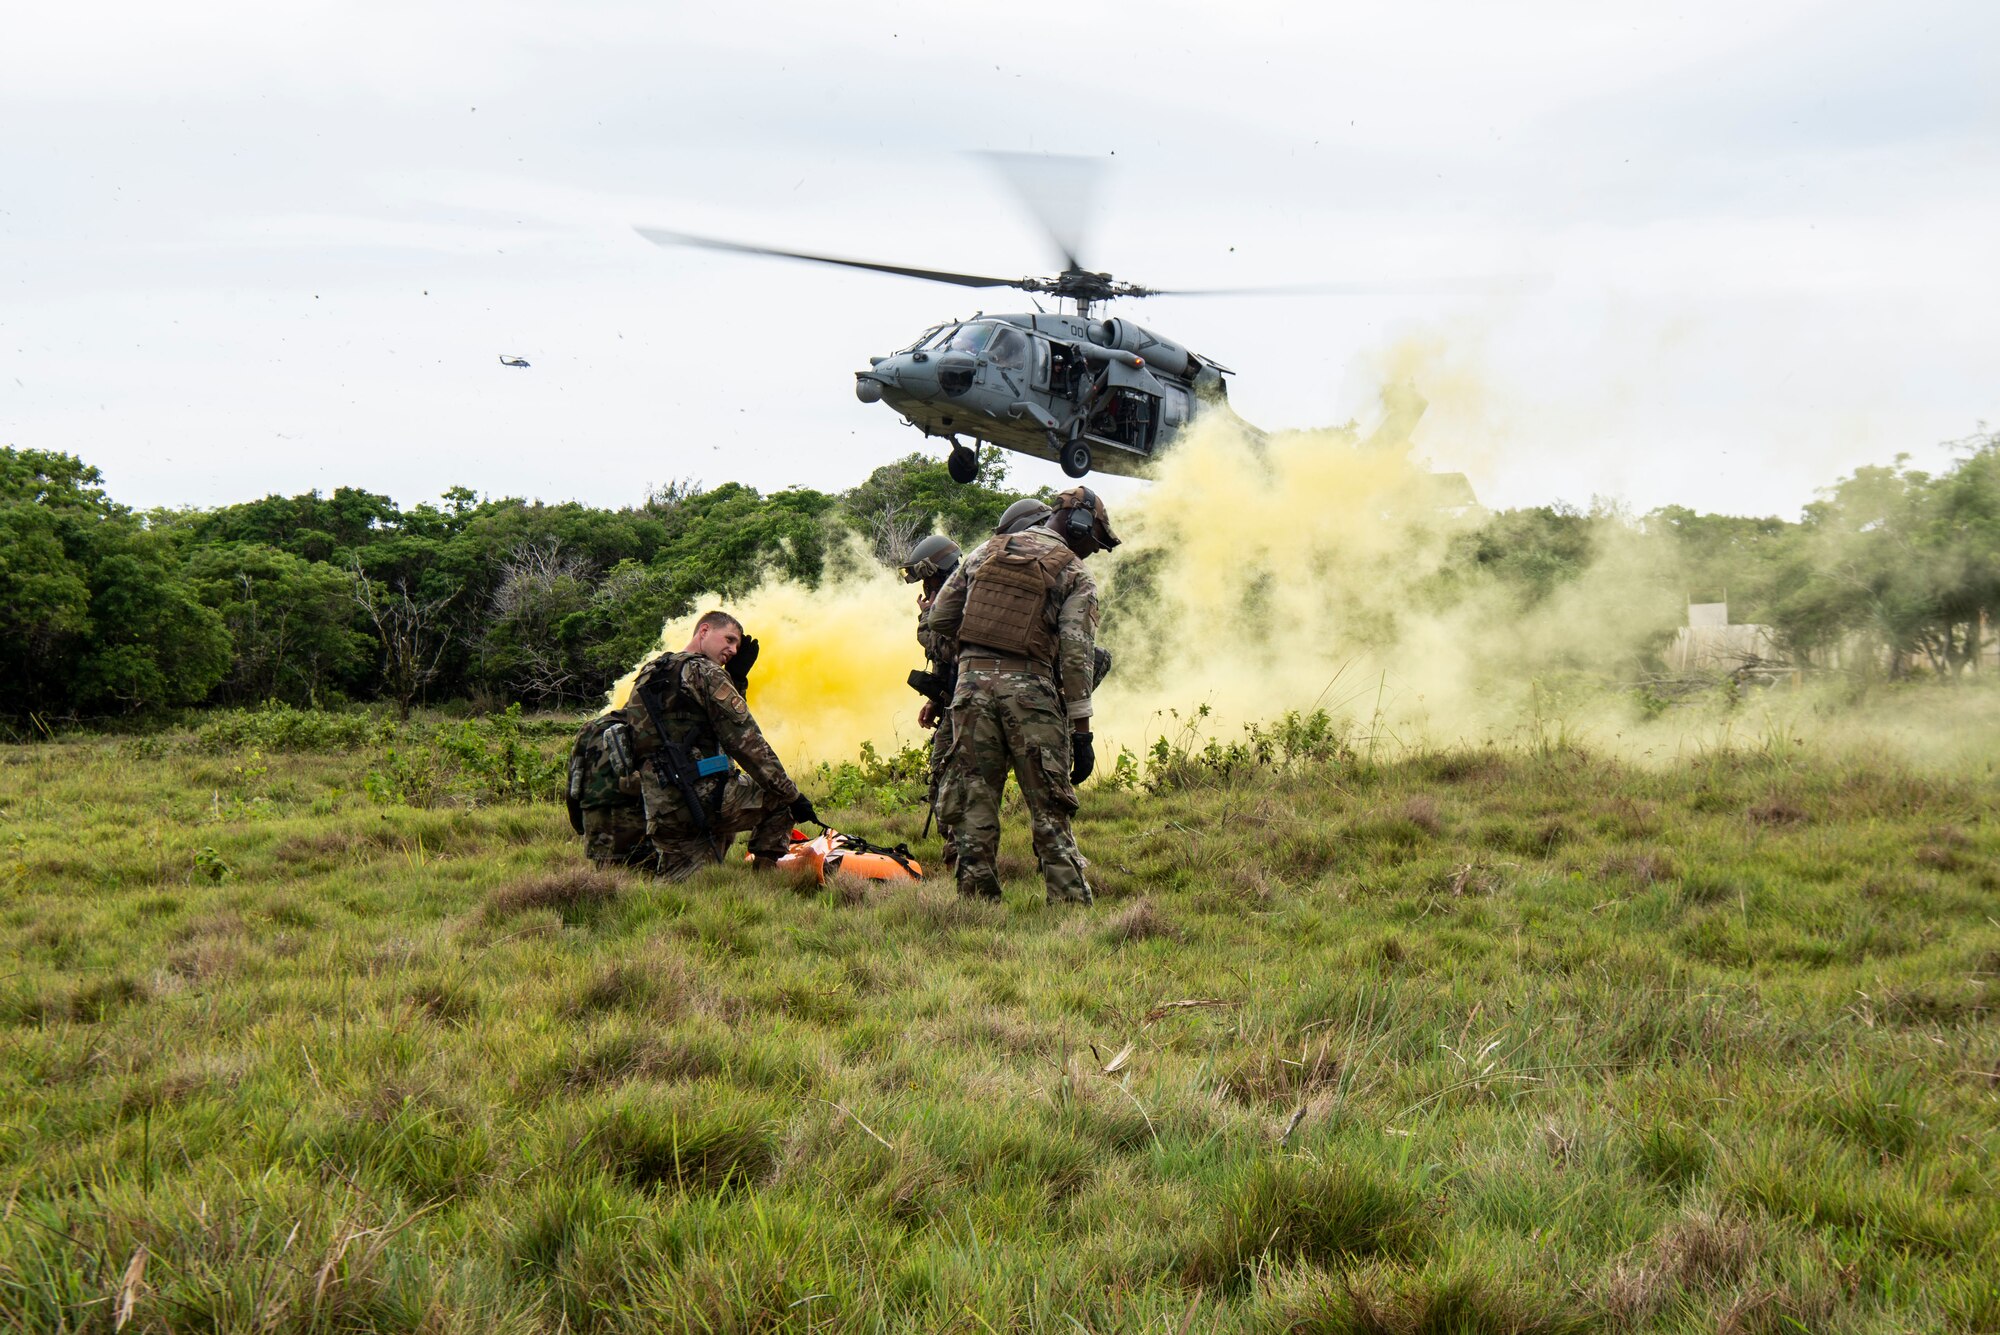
pixel 676 765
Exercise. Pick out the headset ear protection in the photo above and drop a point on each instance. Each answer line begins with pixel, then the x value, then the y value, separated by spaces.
pixel 1082 524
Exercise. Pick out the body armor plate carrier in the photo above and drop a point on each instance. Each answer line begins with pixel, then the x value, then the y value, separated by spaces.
pixel 1006 605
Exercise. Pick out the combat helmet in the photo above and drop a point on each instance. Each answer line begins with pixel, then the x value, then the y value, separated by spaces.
pixel 1022 514
pixel 1082 521
pixel 933 558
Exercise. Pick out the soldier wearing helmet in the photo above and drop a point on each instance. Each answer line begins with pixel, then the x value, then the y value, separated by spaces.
pixel 1021 615
pixel 931 563
pixel 1024 513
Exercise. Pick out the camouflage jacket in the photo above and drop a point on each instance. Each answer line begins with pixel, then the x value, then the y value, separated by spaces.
pixel 938 652
pixel 1071 612
pixel 708 715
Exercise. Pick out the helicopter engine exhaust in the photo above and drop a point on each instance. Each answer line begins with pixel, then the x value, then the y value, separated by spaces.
pixel 1161 354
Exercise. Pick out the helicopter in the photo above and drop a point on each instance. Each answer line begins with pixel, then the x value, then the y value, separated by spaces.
pixel 1105 395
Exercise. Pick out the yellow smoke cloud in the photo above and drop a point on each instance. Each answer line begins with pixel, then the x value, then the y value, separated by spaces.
pixel 1272 567
pixel 1307 569
pixel 832 664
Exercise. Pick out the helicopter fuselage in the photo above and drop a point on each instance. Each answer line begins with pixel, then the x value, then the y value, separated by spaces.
pixel 1091 395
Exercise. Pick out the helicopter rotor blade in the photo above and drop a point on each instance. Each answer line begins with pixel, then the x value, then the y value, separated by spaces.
pixel 1059 190
pixel 660 237
pixel 1473 285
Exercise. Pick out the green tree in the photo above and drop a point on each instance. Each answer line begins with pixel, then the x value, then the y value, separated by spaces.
pixel 904 501
pixel 151 642
pixel 534 648
pixel 96 614
pixel 295 625
pixel 1530 551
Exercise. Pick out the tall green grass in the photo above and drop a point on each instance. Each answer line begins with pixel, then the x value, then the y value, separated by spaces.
pixel 1462 1040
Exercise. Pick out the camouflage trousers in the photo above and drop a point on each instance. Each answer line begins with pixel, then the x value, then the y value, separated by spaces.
pixel 680 849
pixel 616 834
pixel 1003 721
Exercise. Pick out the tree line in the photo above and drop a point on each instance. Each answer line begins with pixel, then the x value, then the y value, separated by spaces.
pixel 319 600
pixel 1892 570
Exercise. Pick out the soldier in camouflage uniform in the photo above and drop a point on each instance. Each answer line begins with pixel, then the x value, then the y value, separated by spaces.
pixel 1022 612
pixel 932 562
pixel 697 697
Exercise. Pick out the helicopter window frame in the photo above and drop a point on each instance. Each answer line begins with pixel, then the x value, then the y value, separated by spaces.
pixel 1013 339
pixel 974 345
pixel 930 336
pixel 1038 362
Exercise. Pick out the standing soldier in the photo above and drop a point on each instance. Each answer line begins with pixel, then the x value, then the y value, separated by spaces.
pixel 1022 612
pixel 932 562
pixel 686 722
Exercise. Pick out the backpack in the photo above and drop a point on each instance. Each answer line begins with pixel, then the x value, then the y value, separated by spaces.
pixel 603 768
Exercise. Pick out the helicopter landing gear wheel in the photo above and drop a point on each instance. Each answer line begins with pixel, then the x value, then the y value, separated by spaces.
pixel 1075 458
pixel 963 465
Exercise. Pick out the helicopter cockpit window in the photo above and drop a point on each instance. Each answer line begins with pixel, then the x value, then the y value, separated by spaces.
pixel 970 338
pixel 931 336
pixel 1008 350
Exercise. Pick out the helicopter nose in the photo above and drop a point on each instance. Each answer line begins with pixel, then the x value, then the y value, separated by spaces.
pixel 902 373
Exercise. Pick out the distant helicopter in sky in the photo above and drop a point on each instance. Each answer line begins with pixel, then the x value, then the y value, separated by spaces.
pixel 505 360
pixel 1103 395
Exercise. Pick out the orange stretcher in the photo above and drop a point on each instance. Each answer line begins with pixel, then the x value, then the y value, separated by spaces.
pixel 833 852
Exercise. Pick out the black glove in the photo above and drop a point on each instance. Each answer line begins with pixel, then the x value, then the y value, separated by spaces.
pixel 1083 757
pixel 803 813
pixel 741 662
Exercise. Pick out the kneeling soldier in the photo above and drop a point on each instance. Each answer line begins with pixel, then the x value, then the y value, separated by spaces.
pixel 688 722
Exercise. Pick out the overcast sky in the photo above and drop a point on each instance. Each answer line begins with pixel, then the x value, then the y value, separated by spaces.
pixel 270 246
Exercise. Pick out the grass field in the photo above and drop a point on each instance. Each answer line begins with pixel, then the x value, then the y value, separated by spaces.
pixel 1462 1041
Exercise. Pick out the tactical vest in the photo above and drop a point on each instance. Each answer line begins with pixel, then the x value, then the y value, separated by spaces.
pixel 679 715
pixel 1007 600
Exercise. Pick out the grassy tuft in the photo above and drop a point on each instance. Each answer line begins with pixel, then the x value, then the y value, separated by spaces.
pixel 661 1144
pixel 576 893
pixel 1319 1213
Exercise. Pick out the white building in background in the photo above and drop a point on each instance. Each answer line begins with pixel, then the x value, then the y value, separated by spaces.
pixel 1711 643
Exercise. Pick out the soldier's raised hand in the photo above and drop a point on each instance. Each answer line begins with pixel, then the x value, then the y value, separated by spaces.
pixel 741 662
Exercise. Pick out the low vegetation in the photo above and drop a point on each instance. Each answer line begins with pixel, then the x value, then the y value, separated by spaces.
pixel 1439 1041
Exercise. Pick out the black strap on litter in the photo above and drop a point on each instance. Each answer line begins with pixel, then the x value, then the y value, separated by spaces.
pixel 900 854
